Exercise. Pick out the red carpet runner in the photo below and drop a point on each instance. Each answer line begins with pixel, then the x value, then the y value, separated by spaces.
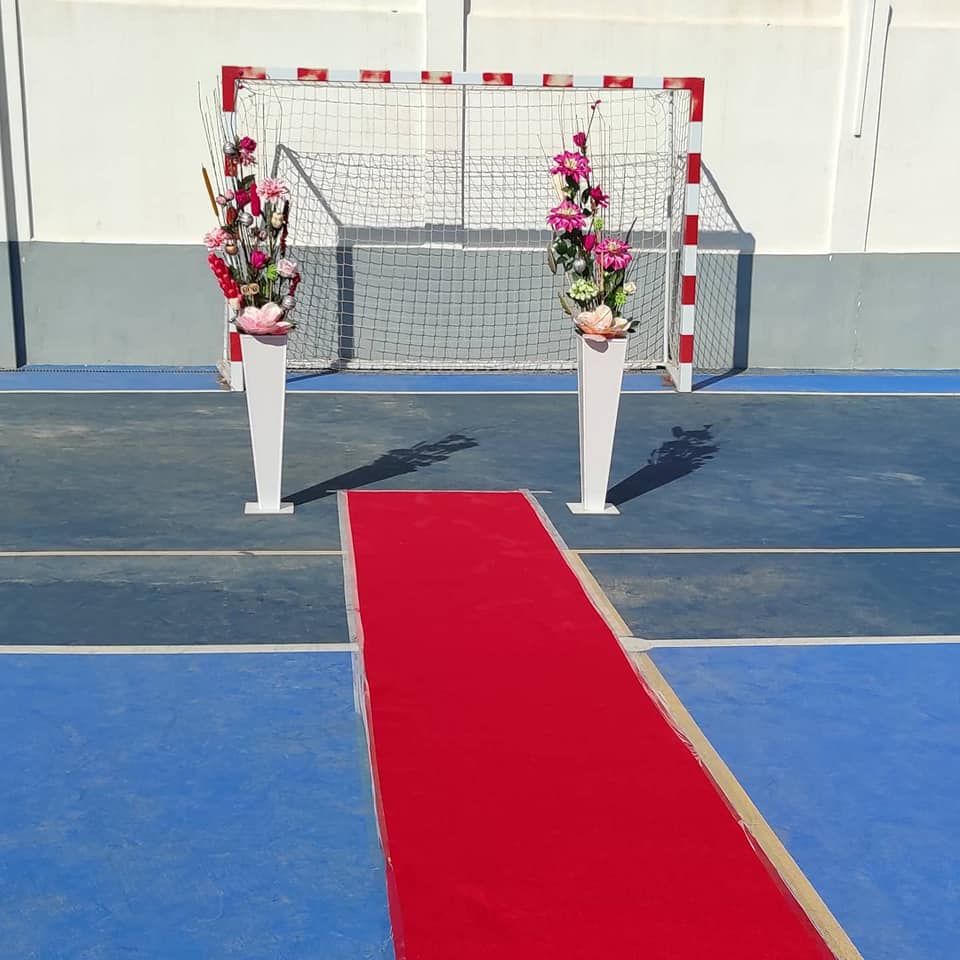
pixel 534 802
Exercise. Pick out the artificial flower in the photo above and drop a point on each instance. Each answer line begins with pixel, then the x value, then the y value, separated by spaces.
pixel 255 207
pixel 215 239
pixel 258 259
pixel 600 324
pixel 264 321
pixel 242 197
pixel 273 190
pixel 566 216
pixel 573 165
pixel 583 289
pixel 580 139
pixel 276 219
pixel 589 242
pixel 613 254
pixel 247 145
pixel 629 287
pixel 620 298
pixel 287 268
pixel 598 197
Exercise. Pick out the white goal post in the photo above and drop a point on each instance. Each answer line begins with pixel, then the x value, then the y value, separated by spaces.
pixel 418 205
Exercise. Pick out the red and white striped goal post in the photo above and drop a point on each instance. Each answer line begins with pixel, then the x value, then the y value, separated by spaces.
pixel 233 76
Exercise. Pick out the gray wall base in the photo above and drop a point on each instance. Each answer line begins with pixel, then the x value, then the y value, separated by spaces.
pixel 159 304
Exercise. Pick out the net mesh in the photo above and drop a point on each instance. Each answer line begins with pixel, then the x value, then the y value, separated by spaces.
pixel 417 216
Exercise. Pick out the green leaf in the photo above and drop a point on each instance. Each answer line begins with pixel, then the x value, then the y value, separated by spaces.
pixel 551 258
pixel 244 183
pixel 569 307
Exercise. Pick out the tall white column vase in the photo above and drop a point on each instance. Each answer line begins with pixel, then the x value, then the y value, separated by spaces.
pixel 265 377
pixel 600 376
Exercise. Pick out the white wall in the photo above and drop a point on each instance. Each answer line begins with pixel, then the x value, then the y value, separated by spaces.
pixel 916 204
pixel 115 137
pixel 115 143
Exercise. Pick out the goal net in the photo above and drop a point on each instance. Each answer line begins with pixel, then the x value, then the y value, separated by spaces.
pixel 418 216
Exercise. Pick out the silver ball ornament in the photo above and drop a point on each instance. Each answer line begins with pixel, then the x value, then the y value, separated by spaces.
pixel 288 302
pixel 231 150
pixel 579 265
pixel 246 218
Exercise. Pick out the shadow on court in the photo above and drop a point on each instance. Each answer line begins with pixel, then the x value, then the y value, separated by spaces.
pixel 393 463
pixel 688 451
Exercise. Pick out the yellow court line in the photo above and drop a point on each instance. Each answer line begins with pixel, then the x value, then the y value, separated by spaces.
pixel 750 816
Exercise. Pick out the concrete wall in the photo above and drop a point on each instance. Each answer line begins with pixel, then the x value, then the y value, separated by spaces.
pixel 829 141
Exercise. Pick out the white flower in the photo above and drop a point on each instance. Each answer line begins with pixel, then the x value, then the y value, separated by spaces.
pixel 629 287
pixel 276 219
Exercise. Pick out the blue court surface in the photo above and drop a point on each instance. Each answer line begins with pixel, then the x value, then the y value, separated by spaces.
pixel 184 773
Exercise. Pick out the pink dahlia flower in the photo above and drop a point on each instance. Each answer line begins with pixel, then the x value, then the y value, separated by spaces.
pixel 601 324
pixel 264 321
pixel 599 197
pixel 566 216
pixel 580 139
pixel 258 259
pixel 569 164
pixel 272 190
pixel 613 254
pixel 215 239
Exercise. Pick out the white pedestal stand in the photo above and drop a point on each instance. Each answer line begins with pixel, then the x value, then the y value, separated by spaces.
pixel 265 376
pixel 600 376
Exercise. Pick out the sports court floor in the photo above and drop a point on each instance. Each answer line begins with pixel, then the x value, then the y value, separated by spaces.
pixel 184 772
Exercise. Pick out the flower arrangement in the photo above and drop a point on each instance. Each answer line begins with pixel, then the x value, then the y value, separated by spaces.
pixel 595 263
pixel 247 251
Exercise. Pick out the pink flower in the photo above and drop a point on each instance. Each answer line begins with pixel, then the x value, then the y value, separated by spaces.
pixel 613 254
pixel 599 197
pixel 566 216
pixel 287 268
pixel 247 159
pixel 580 139
pixel 255 207
pixel 272 190
pixel 215 239
pixel 600 324
pixel 589 242
pixel 242 197
pixel 574 165
pixel 265 321
pixel 258 259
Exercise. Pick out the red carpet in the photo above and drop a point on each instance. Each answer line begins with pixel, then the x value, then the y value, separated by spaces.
pixel 535 804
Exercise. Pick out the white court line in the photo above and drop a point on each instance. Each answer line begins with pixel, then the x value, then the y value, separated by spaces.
pixel 586 551
pixel 527 393
pixel 167 553
pixel 639 645
pixel 692 551
pixel 132 649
